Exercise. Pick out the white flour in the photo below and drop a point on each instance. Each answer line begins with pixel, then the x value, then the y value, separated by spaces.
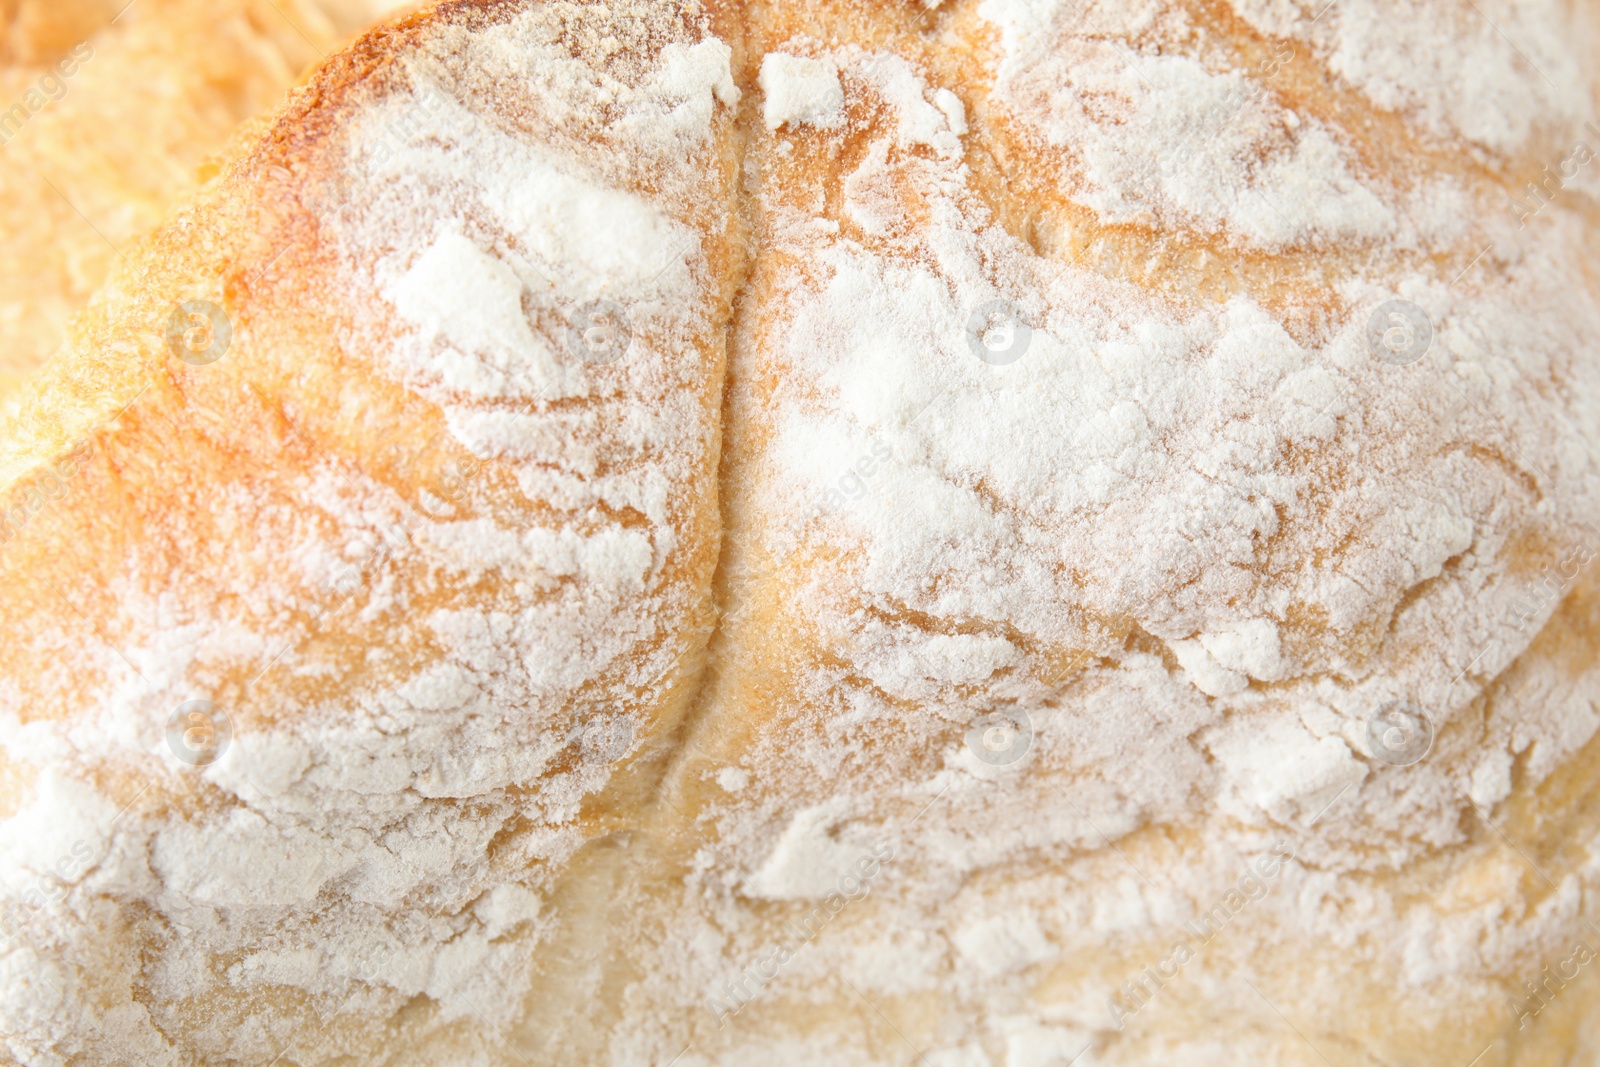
pixel 797 90
pixel 1198 543
pixel 395 844
pixel 1260 539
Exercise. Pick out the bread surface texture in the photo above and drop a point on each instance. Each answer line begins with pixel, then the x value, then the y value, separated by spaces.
pixel 987 534
pixel 111 115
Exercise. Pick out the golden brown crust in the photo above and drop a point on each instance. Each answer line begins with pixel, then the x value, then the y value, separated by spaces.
pixel 111 114
pixel 294 531
pixel 1185 544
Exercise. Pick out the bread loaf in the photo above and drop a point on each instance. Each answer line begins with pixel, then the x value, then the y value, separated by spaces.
pixel 977 533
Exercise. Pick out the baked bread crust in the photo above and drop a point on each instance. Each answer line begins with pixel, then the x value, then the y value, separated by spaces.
pixel 414 646
pixel 1069 522
pixel 111 115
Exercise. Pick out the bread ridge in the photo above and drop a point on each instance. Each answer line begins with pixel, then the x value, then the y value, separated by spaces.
pixel 248 437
